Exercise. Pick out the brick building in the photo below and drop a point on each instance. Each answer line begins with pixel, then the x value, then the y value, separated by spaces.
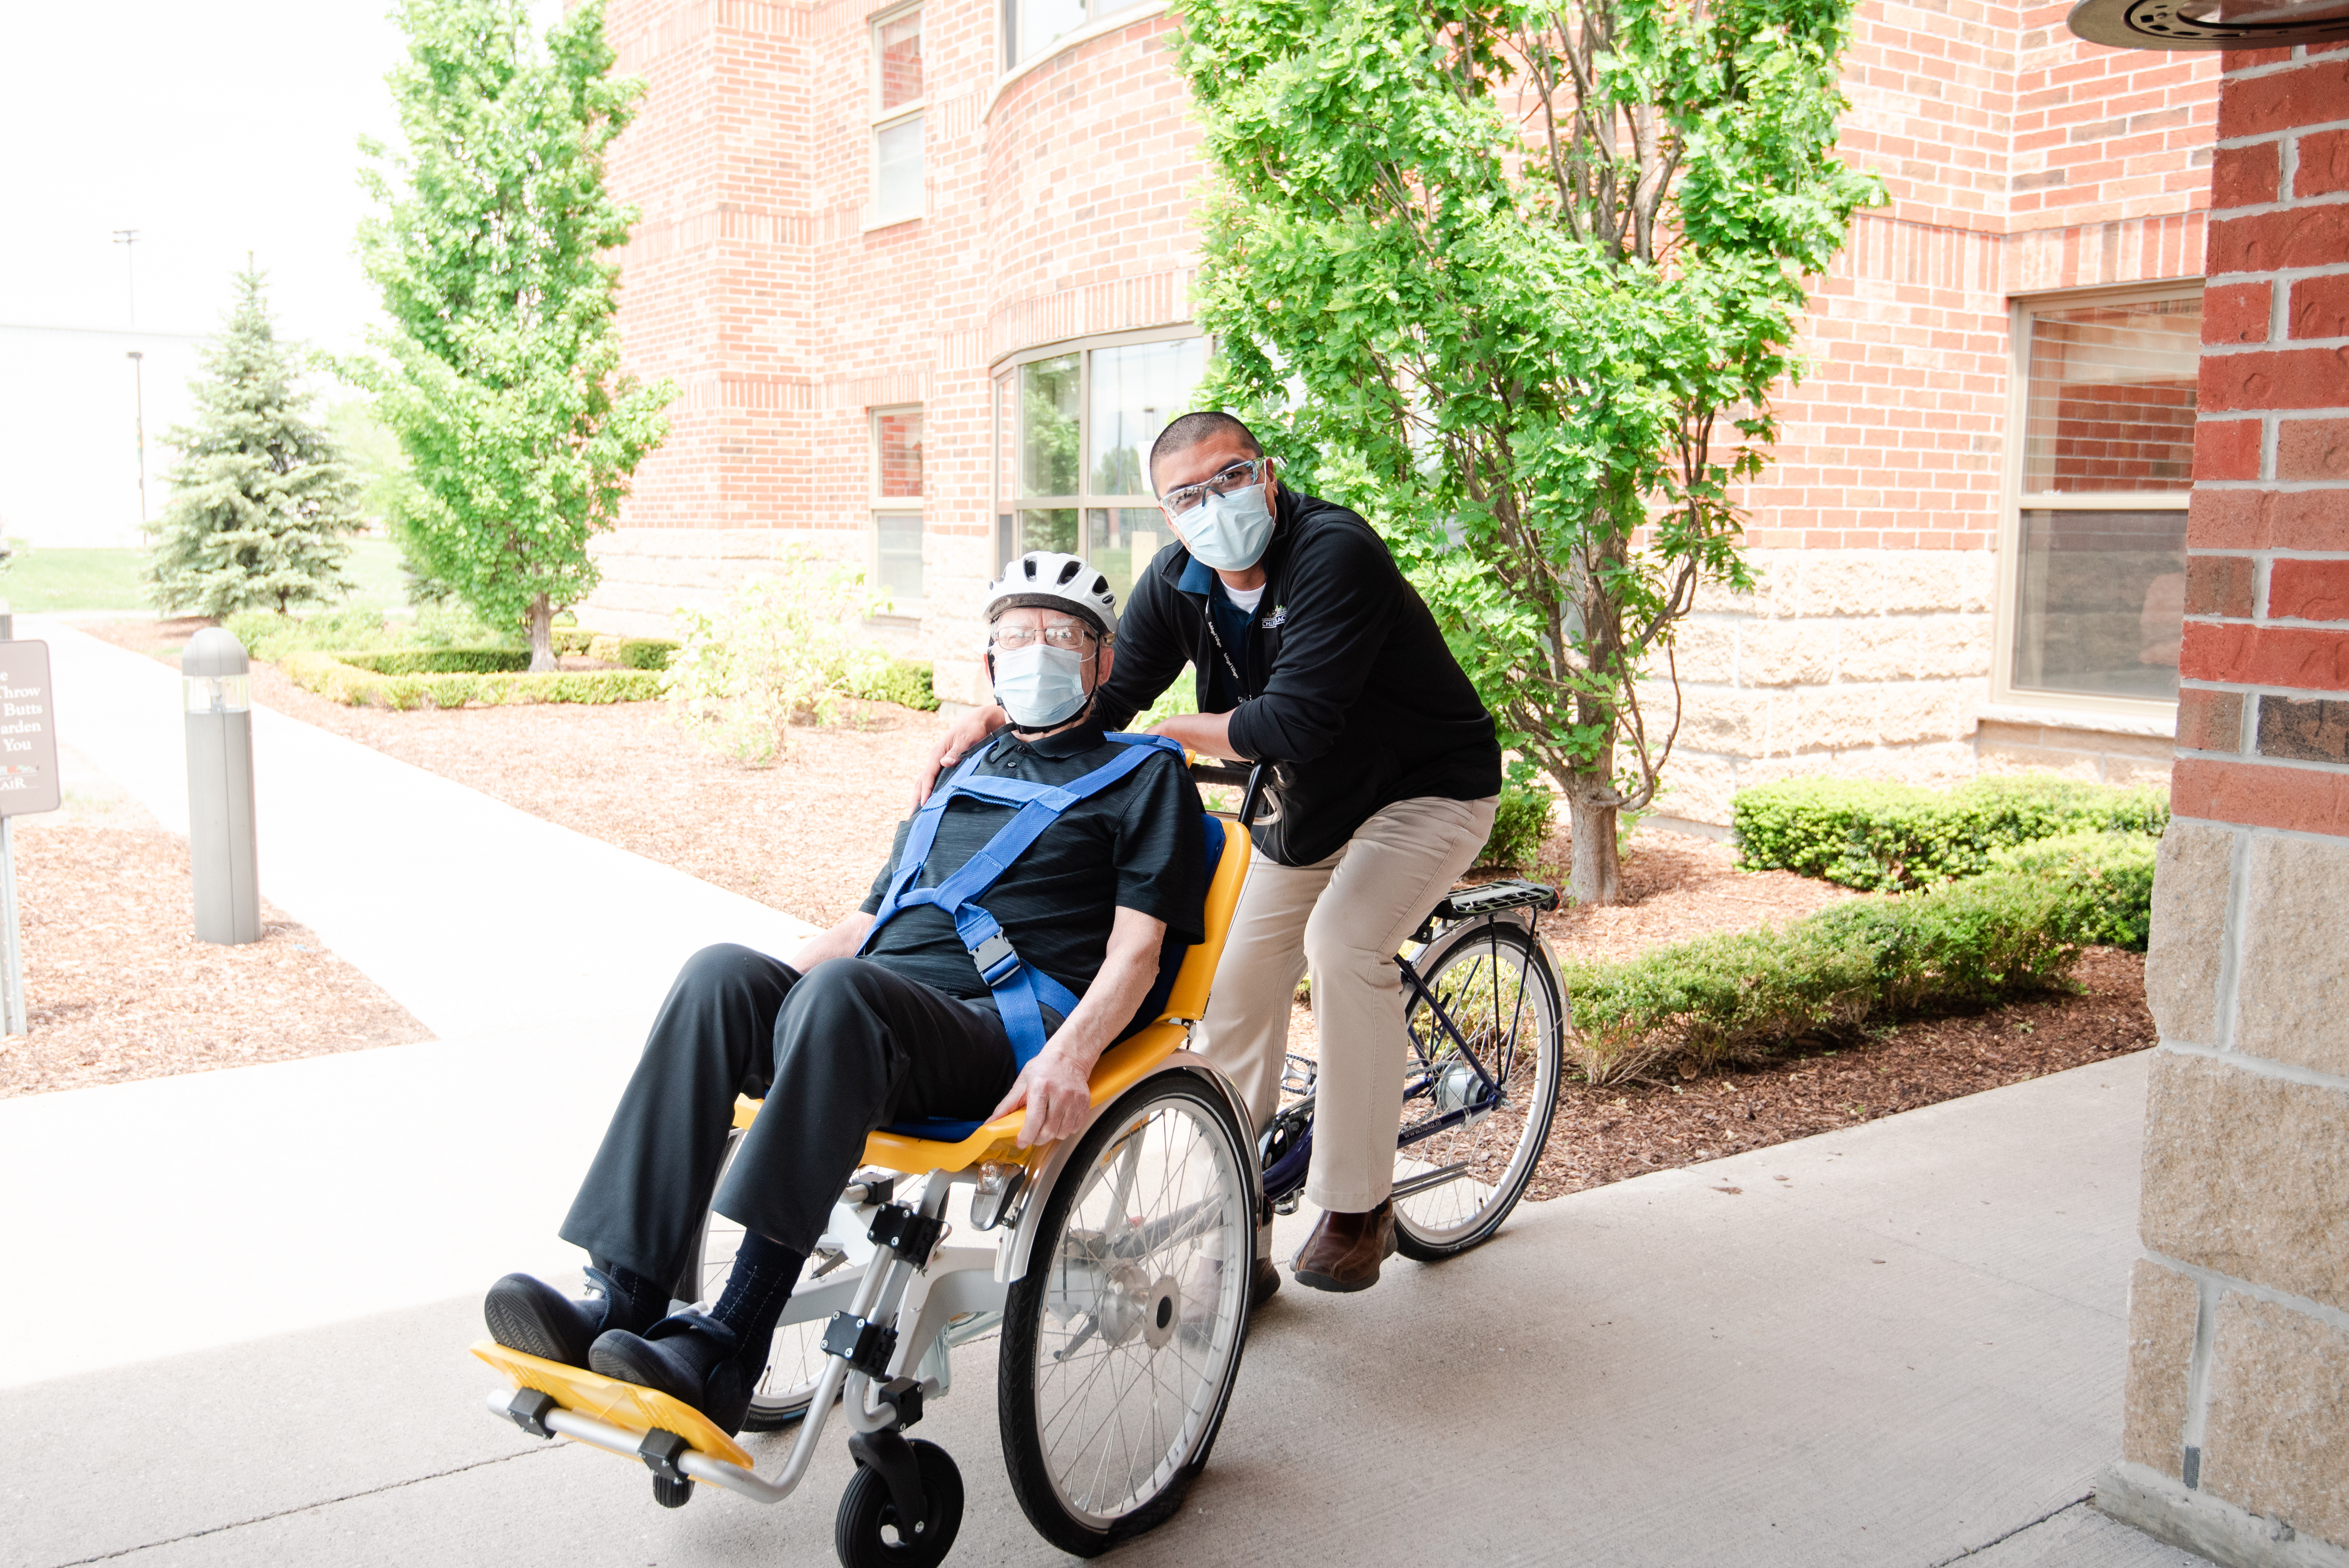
pixel 922 274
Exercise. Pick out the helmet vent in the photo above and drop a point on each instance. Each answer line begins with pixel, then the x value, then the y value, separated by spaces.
pixel 1069 569
pixel 1101 585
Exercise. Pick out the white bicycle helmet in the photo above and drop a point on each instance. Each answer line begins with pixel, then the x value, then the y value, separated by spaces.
pixel 1052 581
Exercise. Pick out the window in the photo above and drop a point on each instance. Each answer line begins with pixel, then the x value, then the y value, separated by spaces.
pixel 898 102
pixel 1073 432
pixel 2093 603
pixel 897 526
pixel 1032 26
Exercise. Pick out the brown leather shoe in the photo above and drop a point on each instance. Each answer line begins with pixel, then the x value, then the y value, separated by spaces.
pixel 1345 1250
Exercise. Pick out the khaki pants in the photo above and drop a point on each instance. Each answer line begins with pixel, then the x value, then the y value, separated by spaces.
pixel 1341 918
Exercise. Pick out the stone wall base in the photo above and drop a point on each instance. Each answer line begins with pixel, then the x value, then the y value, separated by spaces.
pixel 2143 1497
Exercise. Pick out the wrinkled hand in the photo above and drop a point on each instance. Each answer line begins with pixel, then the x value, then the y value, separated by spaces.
pixel 1057 1097
pixel 965 733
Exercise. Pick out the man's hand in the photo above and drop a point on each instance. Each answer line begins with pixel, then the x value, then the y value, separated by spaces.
pixel 965 733
pixel 1054 1090
pixel 840 942
pixel 1055 1086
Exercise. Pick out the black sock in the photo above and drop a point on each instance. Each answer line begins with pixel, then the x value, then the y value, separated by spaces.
pixel 757 1288
pixel 631 1302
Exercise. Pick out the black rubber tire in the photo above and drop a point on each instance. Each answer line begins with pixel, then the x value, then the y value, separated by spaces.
pixel 865 1509
pixel 672 1493
pixel 765 1414
pixel 1538 1053
pixel 1023 1323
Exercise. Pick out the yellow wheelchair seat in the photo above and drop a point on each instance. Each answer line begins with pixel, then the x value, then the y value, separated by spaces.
pixel 1120 1066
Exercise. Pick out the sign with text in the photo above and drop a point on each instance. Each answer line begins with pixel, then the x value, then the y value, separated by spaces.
pixel 29 732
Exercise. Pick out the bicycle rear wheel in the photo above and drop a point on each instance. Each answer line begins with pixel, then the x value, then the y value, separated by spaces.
pixel 1475 1119
pixel 797 1360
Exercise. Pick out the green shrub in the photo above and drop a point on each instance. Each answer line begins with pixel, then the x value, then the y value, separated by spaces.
pixel 905 682
pixel 344 683
pixel 635 652
pixel 1519 827
pixel 1742 995
pixel 269 636
pixel 438 661
pixel 2108 878
pixel 785 648
pixel 571 639
pixel 1880 836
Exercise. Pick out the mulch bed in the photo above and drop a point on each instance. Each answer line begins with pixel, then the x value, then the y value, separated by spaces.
pixel 117 987
pixel 1605 1135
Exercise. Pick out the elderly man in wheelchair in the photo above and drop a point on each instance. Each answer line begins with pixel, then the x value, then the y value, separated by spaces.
pixel 1004 1016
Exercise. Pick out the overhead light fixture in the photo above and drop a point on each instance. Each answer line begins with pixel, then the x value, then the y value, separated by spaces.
pixel 2210 24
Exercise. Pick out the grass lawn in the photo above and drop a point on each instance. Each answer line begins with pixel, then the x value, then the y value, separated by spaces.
pixel 39 579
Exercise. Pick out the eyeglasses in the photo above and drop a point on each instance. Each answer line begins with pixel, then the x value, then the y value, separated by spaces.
pixel 1243 472
pixel 1066 635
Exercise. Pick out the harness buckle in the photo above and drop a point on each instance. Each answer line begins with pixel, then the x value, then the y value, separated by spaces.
pixel 997 959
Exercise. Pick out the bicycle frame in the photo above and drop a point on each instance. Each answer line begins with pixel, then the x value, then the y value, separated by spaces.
pixel 1284 1177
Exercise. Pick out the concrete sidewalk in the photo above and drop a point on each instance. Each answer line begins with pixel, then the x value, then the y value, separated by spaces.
pixel 1907 1350
pixel 277 1197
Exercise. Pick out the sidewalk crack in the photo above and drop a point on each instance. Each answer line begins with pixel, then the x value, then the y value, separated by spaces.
pixel 305 1508
pixel 1978 1551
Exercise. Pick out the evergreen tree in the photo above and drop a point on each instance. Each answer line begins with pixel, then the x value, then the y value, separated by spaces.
pixel 262 499
pixel 501 373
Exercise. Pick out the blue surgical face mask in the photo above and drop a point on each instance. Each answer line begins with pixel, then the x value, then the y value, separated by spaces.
pixel 1039 686
pixel 1228 533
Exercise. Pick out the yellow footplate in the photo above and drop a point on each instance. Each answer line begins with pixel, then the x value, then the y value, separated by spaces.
pixel 639 1409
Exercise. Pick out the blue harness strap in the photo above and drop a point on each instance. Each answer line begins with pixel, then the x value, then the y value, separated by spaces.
pixel 1021 990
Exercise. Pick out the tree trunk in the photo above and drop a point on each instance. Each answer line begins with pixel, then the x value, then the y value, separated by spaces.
pixel 1596 875
pixel 541 635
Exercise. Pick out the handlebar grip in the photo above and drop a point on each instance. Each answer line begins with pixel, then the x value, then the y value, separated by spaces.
pixel 1252 797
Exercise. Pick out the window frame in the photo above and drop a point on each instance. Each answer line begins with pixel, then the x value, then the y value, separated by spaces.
pixel 1009 64
pixel 1007 505
pixel 879 119
pixel 2015 501
pixel 877 503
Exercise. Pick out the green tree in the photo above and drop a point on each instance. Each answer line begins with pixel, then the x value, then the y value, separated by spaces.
pixel 1516 281
pixel 262 500
pixel 501 371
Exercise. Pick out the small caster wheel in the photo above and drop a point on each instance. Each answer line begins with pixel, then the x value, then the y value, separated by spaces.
pixel 869 1535
pixel 672 1493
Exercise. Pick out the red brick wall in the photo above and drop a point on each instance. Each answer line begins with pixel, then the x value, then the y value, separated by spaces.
pixel 2264 720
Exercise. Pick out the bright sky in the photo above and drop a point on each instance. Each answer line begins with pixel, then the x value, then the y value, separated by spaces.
pixel 212 130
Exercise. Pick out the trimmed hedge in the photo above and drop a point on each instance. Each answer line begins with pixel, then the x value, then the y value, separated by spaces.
pixel 436 660
pixel 1520 823
pixel 1742 995
pixel 571 639
pixel 2107 877
pixel 635 652
pixel 905 682
pixel 1882 836
pixel 333 678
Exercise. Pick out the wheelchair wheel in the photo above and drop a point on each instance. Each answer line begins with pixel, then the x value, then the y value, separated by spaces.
pixel 784 1391
pixel 1122 1340
pixel 1473 1124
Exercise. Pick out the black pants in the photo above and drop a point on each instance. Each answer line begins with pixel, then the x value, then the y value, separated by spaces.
pixel 837 1052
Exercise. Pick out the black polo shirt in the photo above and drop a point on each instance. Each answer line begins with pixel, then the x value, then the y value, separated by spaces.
pixel 1137 845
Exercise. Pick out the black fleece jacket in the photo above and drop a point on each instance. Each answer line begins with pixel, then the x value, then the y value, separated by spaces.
pixel 1349 682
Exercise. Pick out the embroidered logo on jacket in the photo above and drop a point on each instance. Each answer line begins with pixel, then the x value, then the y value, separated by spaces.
pixel 1273 622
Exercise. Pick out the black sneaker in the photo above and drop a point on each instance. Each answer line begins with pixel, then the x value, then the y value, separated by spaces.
pixel 533 1318
pixel 690 1356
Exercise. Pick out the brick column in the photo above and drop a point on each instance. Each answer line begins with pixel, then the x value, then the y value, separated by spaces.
pixel 2236 1441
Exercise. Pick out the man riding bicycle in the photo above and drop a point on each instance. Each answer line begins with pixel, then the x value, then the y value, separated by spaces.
pixel 1312 651
pixel 967 981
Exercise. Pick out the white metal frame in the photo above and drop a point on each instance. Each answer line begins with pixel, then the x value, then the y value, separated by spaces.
pixel 878 503
pixel 2013 501
pixel 880 119
pixel 955 1281
pixel 1003 386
